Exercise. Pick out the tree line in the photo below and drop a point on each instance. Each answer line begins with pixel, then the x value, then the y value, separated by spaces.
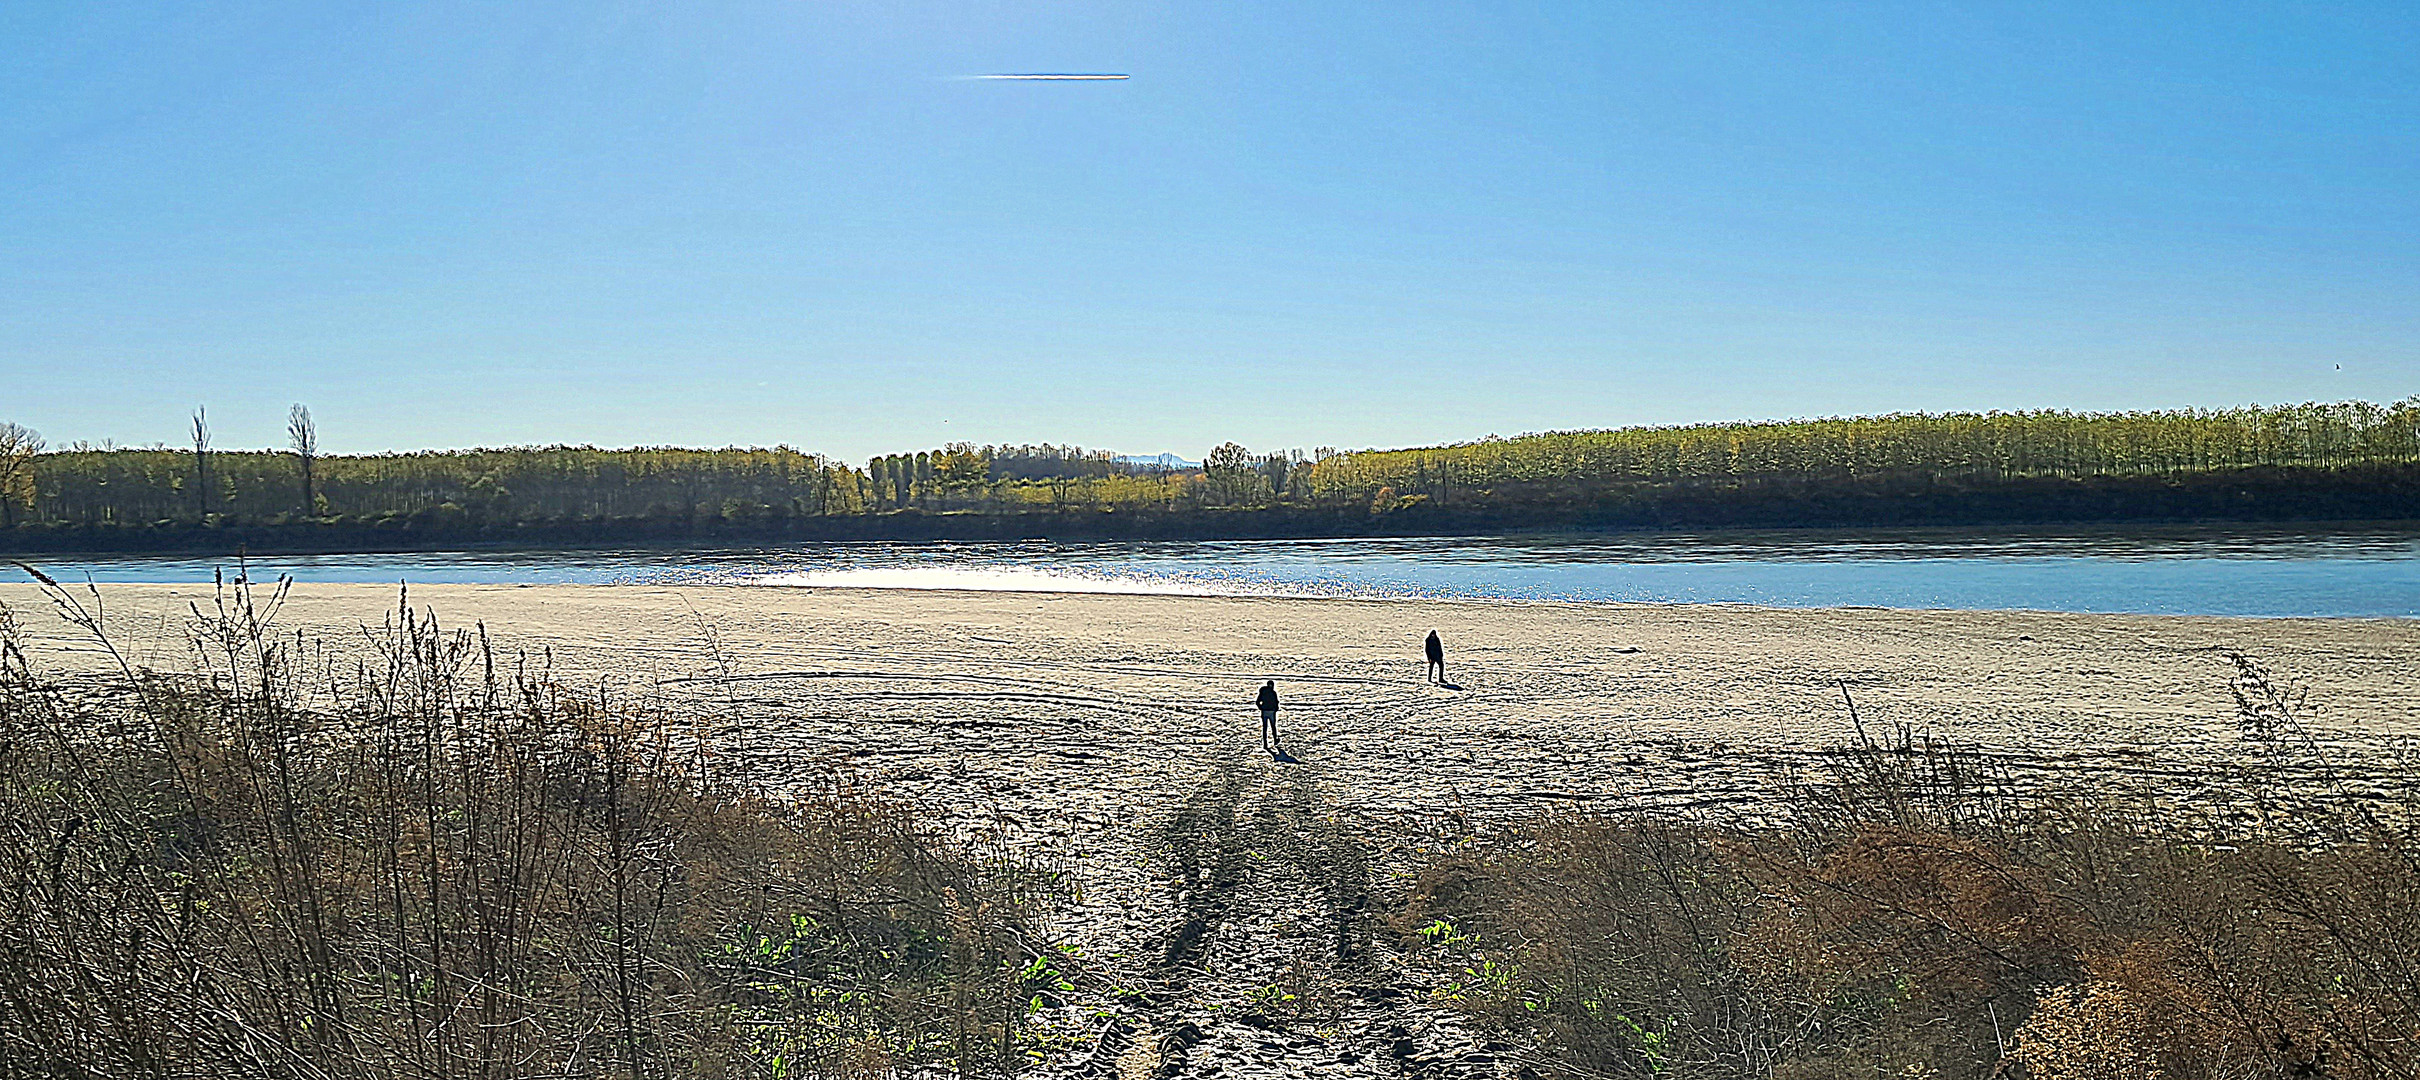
pixel 104 487
pixel 1969 446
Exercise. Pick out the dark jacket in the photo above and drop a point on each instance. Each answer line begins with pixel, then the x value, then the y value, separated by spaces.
pixel 1268 697
pixel 1436 648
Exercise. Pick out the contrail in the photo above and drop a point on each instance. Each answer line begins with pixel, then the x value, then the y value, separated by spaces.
pixel 1054 76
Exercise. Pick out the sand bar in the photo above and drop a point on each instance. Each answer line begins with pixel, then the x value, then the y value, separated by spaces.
pixel 1672 704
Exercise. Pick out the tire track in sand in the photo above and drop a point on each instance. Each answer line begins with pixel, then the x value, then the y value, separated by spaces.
pixel 1272 963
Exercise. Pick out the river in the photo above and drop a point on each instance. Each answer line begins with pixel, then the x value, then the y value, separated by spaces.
pixel 2341 571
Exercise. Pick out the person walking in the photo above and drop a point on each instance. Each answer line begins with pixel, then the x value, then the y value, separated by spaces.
pixel 1436 658
pixel 1268 718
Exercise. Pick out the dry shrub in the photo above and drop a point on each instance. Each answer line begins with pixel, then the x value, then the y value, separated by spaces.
pixel 1903 943
pixel 2263 958
pixel 1911 916
pixel 2143 1014
pixel 1606 939
pixel 2091 1031
pixel 424 867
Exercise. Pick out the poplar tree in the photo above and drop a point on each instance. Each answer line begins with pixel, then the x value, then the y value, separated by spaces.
pixel 305 439
pixel 201 461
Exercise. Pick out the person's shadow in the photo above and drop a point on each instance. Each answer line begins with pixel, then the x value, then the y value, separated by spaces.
pixel 1443 685
pixel 1284 757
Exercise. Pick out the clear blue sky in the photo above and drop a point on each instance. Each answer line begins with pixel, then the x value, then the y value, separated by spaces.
pixel 791 222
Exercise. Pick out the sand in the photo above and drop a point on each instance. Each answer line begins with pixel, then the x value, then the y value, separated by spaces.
pixel 1627 703
pixel 1086 726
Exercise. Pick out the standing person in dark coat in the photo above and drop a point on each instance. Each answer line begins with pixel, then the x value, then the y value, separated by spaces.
pixel 1268 717
pixel 1436 657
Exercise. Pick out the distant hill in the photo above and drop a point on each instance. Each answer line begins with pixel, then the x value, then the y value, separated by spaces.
pixel 1158 461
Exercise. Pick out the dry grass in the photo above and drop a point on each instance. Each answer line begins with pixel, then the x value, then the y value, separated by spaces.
pixel 428 866
pixel 1912 917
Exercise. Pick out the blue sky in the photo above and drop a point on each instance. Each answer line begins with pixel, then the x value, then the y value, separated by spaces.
pixel 1295 225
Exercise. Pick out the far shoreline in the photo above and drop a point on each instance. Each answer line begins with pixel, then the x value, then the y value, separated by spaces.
pixel 233 542
pixel 2247 497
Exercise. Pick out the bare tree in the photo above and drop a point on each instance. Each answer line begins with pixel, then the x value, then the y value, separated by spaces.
pixel 1231 475
pixel 18 446
pixel 201 461
pixel 1279 468
pixel 305 440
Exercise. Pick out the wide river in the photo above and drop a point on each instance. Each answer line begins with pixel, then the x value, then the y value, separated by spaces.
pixel 2338 571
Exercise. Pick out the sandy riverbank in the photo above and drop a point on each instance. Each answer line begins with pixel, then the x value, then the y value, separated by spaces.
pixel 1623 702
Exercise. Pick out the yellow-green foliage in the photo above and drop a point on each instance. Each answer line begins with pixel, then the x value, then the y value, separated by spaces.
pixel 1990 445
pixel 134 486
pixel 137 487
pixel 963 477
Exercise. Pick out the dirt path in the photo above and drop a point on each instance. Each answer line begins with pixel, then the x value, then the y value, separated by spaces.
pixel 1270 961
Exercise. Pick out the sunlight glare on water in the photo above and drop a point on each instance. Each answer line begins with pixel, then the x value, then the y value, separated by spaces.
pixel 1015 579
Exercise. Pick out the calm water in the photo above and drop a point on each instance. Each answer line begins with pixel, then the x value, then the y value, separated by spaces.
pixel 2356 572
